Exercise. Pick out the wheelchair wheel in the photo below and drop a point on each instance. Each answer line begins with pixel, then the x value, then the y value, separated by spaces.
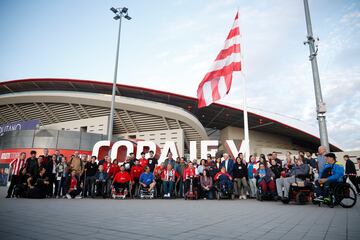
pixel 285 200
pixel 301 198
pixel 345 195
pixel 259 196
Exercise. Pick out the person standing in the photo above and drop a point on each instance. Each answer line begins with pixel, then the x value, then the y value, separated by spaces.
pixel 76 165
pixel 180 171
pixel 143 161
pixel 240 177
pixel 252 180
pixel 15 167
pixel 321 158
pixel 228 164
pixel 350 171
pixel 90 171
pixel 169 160
pixel 51 175
pixel 152 161
pixel 32 164
pixel 61 175
pixel 46 156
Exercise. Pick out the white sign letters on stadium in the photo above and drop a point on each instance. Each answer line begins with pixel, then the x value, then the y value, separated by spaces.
pixel 206 147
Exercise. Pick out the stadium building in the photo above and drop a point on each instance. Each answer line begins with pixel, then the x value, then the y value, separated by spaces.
pixel 70 114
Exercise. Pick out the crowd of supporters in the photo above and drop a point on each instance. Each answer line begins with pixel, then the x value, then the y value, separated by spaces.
pixel 80 176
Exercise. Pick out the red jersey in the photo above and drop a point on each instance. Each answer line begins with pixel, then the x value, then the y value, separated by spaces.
pixel 73 183
pixel 169 175
pixel 143 162
pixel 136 171
pixel 122 177
pixel 107 167
pixel 158 171
pixel 189 173
pixel 16 165
pixel 114 169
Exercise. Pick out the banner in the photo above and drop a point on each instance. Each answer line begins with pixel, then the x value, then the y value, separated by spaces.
pixel 19 125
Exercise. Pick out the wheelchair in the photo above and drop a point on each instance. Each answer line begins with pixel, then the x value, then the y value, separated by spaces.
pixel 222 192
pixel 341 193
pixel 261 195
pixel 146 193
pixel 302 191
pixel 192 191
pixel 122 194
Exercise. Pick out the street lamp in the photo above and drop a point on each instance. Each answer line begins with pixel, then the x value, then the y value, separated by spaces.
pixel 119 14
pixel 320 104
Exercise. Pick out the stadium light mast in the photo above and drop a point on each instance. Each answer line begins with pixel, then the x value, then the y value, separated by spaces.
pixel 119 14
pixel 320 104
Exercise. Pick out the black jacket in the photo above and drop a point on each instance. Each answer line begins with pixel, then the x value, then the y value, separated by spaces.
pixel 240 170
pixel 350 167
pixel 91 169
pixel 276 170
pixel 32 166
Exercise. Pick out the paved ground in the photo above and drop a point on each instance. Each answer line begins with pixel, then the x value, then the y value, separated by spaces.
pixel 172 219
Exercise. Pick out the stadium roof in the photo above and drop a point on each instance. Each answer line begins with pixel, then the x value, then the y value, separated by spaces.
pixel 216 116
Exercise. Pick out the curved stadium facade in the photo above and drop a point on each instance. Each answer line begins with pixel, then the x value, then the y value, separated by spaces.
pixel 73 115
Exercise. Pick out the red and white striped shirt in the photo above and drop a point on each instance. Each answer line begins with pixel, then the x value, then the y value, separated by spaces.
pixel 217 82
pixel 16 165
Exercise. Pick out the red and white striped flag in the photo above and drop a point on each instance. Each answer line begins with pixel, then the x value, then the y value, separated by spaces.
pixel 217 82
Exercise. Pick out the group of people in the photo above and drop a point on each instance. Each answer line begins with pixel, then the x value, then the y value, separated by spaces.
pixel 81 176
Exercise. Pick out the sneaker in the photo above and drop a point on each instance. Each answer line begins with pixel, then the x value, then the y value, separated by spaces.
pixel 319 199
pixel 78 197
pixel 244 197
pixel 240 197
pixel 68 196
pixel 7 196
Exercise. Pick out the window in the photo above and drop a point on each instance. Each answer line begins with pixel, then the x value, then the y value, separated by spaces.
pixel 83 129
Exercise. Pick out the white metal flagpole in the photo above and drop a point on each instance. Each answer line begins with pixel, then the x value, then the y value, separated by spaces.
pixel 246 123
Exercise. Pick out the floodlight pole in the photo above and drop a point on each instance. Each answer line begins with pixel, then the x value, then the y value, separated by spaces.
pixel 119 15
pixel 320 104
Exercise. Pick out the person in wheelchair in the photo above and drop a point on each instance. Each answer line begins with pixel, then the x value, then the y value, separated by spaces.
pixel 265 180
pixel 147 180
pixel 122 181
pixel 190 172
pixel 168 180
pixel 300 169
pixel 225 181
pixel 332 173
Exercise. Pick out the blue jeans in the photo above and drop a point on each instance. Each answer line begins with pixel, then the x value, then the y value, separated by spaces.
pixel 322 190
pixel 168 186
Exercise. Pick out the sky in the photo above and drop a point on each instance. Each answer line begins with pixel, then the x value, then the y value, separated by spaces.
pixel 170 45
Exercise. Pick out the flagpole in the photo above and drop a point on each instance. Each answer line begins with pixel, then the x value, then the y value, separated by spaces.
pixel 246 123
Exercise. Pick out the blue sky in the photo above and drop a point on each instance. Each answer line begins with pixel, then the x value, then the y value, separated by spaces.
pixel 170 45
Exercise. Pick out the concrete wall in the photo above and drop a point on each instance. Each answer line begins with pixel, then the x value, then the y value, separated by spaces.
pixel 94 125
pixel 160 137
pixel 260 142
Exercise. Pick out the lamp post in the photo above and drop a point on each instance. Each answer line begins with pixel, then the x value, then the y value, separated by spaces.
pixel 119 14
pixel 320 104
